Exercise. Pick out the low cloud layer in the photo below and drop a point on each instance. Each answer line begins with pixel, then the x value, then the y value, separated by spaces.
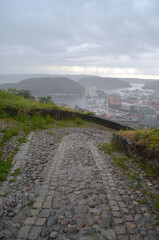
pixel 103 37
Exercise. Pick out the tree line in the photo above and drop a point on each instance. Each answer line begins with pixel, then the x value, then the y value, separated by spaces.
pixel 28 95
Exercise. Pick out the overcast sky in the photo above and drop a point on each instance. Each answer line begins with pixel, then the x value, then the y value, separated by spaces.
pixel 118 38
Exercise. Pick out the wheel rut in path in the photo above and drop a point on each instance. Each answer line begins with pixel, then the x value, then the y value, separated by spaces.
pixel 79 198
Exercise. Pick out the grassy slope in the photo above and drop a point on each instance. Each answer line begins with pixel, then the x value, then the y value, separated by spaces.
pixel 12 100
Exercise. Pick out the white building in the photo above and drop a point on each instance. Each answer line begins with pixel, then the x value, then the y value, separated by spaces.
pixel 90 91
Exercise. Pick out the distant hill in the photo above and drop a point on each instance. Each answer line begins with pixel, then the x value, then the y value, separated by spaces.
pixel 47 85
pixel 153 85
pixel 135 80
pixel 104 83
pixel 12 78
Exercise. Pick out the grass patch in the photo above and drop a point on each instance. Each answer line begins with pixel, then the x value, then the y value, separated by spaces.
pixel 156 204
pixel 12 180
pixel 90 113
pixel 142 201
pixel 50 133
pixel 16 172
pixel 150 171
pixel 8 134
pixel 120 161
pixel 5 194
pixel 12 100
pixel 109 148
pixel 38 122
pixel 69 123
pixel 79 121
pixel 4 169
pixel 6 165
pixel 144 136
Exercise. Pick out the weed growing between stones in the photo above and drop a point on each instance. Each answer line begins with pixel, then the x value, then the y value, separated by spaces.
pixel 6 158
pixel 120 161
pixel 15 174
pixel 4 169
pixel 50 133
pixel 5 194
pixel 156 204
pixel 149 171
pixel 6 164
pixel 142 201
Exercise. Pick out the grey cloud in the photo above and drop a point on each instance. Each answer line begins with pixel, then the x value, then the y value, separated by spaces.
pixel 102 33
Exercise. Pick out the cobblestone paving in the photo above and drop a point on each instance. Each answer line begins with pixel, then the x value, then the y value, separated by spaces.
pixel 77 195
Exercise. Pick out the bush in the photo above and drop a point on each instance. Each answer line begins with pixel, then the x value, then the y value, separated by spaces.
pixel 24 93
pixel 78 120
pixel 45 99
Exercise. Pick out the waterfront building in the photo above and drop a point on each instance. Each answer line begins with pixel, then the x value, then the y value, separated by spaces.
pixel 91 91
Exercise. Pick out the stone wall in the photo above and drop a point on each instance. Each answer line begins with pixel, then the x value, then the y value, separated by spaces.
pixel 61 114
pixel 145 154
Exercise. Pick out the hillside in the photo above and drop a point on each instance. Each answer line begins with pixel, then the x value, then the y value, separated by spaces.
pixel 47 85
pixel 104 83
pixel 153 85
pixel 135 80
pixel 14 78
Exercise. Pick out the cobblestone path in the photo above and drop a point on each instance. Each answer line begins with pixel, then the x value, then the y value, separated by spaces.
pixel 80 198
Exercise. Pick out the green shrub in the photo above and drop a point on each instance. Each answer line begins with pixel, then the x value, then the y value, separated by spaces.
pixel 45 99
pixel 49 119
pixel 79 120
pixel 22 117
pixel 38 122
pixel 90 113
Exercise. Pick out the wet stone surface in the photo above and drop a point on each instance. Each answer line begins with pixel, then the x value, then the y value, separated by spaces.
pixel 68 190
